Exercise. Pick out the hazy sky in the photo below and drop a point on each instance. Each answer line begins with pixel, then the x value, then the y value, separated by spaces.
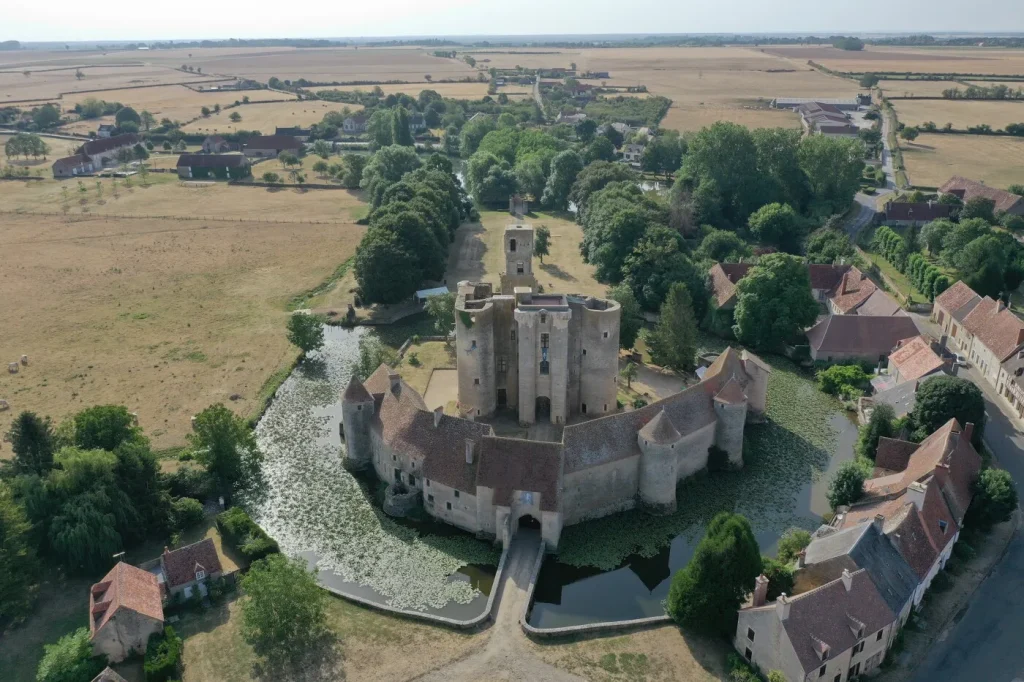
pixel 65 20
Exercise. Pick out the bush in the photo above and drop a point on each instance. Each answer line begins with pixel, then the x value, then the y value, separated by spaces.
pixel 995 498
pixel 942 582
pixel 186 513
pixel 791 543
pixel 847 485
pixel 163 656
pixel 740 670
pixel 964 552
pixel 845 380
pixel 236 527
pixel 189 482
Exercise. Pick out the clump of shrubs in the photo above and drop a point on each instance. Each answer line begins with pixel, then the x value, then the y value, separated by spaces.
pixel 236 527
pixel 186 513
pixel 163 656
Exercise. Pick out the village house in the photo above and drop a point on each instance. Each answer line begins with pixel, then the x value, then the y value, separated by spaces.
pixel 825 119
pixel 125 608
pixel 860 577
pixel 104 152
pixel 965 190
pixel 982 329
pixel 864 338
pixel 949 311
pixel 570 118
pixel 840 104
pixel 633 154
pixel 106 130
pixel 856 294
pixel 188 568
pixel 216 144
pixel 355 124
pixel 1011 382
pixel 222 166
pixel 71 166
pixel 723 278
pixel 915 213
pixel 300 134
pixel 270 146
pixel 417 123
pixel 912 360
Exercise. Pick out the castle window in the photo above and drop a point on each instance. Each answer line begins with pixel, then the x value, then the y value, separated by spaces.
pixel 513 334
pixel 426 482
pixel 502 364
pixel 472 344
pixel 430 499
pixel 512 245
pixel 448 506
pixel 476 382
pixel 359 408
pixel 606 335
pixel 584 351
pixel 583 408
pixel 412 480
pixel 750 634
pixel 519 268
pixel 456 493
pixel 545 367
pixel 606 407
pixel 543 318
pixel 544 340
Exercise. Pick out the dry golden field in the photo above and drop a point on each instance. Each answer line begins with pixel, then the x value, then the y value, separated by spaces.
pixel 528 58
pixel 933 159
pixel 694 117
pixel 995 61
pixel 176 102
pixel 961 113
pixel 166 316
pixel 265 117
pixel 453 90
pixel 50 84
pixel 906 88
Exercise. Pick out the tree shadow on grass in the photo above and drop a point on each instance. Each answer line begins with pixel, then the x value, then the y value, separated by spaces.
pixel 557 272
pixel 322 661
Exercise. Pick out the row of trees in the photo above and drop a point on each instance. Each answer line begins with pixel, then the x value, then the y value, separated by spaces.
pixel 925 277
pixel 990 261
pixel 26 145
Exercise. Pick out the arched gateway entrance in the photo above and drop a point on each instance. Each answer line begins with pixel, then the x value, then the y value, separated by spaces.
pixel 543 408
pixel 528 522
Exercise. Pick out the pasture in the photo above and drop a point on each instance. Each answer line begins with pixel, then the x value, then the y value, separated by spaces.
pixel 933 159
pixel 961 113
pixel 162 314
pixel 987 61
pixel 265 117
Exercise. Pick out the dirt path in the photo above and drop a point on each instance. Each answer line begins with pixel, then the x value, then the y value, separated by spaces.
pixel 506 655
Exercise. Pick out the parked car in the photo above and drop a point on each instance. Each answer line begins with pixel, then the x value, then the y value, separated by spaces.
pixel 960 360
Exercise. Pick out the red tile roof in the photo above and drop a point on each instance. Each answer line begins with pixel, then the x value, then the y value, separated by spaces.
pixel 124 587
pixel 917 210
pixel 826 277
pixel 996 327
pixel 968 189
pixel 724 277
pixel 894 454
pixel 510 464
pixel 180 566
pixel 864 335
pixel 914 358
pixel 955 297
pixel 854 289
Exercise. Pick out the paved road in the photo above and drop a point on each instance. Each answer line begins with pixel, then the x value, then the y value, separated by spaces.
pixel 984 646
pixel 869 202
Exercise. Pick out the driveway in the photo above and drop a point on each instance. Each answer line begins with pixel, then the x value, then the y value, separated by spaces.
pixel 984 643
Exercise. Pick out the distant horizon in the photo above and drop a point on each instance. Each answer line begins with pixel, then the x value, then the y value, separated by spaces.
pixel 66 20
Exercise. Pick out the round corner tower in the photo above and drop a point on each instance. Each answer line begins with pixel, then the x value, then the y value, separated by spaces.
pixel 659 468
pixel 599 359
pixel 731 414
pixel 356 414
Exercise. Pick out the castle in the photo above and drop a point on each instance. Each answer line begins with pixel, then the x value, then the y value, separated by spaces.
pixel 549 357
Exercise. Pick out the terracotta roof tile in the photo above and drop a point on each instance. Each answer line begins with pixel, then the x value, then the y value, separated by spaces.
pixel 996 327
pixel 124 587
pixel 955 297
pixel 826 277
pixel 914 358
pixel 724 277
pixel 917 210
pixel 894 454
pixel 108 675
pixel 853 290
pixel 510 464
pixel 866 335
pixel 968 189
pixel 356 392
pixel 731 393
pixel 180 566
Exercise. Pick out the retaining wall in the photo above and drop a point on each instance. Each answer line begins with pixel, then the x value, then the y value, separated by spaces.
pixel 572 630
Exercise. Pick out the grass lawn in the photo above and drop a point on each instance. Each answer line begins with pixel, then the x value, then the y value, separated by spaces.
pixel 896 277
pixel 430 355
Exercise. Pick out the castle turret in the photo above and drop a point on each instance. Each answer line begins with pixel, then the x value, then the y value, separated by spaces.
pixel 731 412
pixel 356 414
pixel 757 387
pixel 658 464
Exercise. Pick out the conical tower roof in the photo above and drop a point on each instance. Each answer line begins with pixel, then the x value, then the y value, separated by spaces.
pixel 660 430
pixel 731 393
pixel 355 392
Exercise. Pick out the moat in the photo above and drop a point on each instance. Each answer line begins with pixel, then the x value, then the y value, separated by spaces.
pixel 615 568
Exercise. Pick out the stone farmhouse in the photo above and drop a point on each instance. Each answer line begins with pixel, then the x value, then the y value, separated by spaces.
pixel 103 152
pixel 270 146
pixel 356 124
pixel 213 166
pixel 72 166
pixel 965 190
pixel 822 118
pixel 863 338
pixel 300 134
pixel 125 608
pixel 858 580
pixel 549 357
pixel 187 568
pixel 915 213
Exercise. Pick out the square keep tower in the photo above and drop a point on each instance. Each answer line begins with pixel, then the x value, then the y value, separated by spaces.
pixel 518 241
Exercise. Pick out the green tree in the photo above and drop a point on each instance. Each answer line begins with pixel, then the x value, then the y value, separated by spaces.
pixel 320 167
pixel 226 446
pixel 847 485
pixel 353 165
pixel 593 179
pixel 306 331
pixel 776 676
pixel 32 441
pixel 943 398
pixel 833 167
pixel 778 159
pixel 284 614
pixel 385 270
pixel 163 656
pixel 780 577
pixel 473 133
pixel 848 381
pixel 656 263
pixel 565 169
pixel 19 567
pixel 829 245
pixel 673 342
pixel 373 354
pixel 869 80
pixel 774 302
pixel 541 242
pixel 186 513
pixel 909 133
pixel 585 130
pixel 400 132
pixel 933 234
pixel 442 311
pixel 69 660
pixel 792 542
pixel 322 148
pixel 380 129
pixel 725 154
pixel 631 319
pixel 127 115
pixel 721 246
pixel 385 168
pixel 778 224
pixel 879 425
pixel 979 207
pixel 705 595
pixel 270 177
pixel 148 120
pixel 995 498
pixel 601 149
pixel 46 116
pixel 629 372
pixel 105 427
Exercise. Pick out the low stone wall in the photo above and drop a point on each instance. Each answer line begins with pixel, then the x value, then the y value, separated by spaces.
pixel 454 623
pixel 409 342
pixel 572 630
pixel 400 503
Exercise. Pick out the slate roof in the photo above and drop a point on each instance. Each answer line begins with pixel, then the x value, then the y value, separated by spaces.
pixel 509 464
pixel 124 587
pixel 272 142
pixel 212 161
pixel 724 277
pixel 914 358
pixel 901 397
pixel 865 335
pixel 917 210
pixel 958 300
pixel 180 566
pixel 968 189
pixel 107 144
pixel 294 131
pixel 995 326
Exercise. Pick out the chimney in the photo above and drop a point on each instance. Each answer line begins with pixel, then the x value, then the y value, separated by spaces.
pixel 469 451
pixel 968 432
pixel 760 590
pixel 847 579
pixel 801 558
pixel 394 380
pixel 879 522
pixel 438 413
pixel 915 494
pixel 1000 306
pixel 782 606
